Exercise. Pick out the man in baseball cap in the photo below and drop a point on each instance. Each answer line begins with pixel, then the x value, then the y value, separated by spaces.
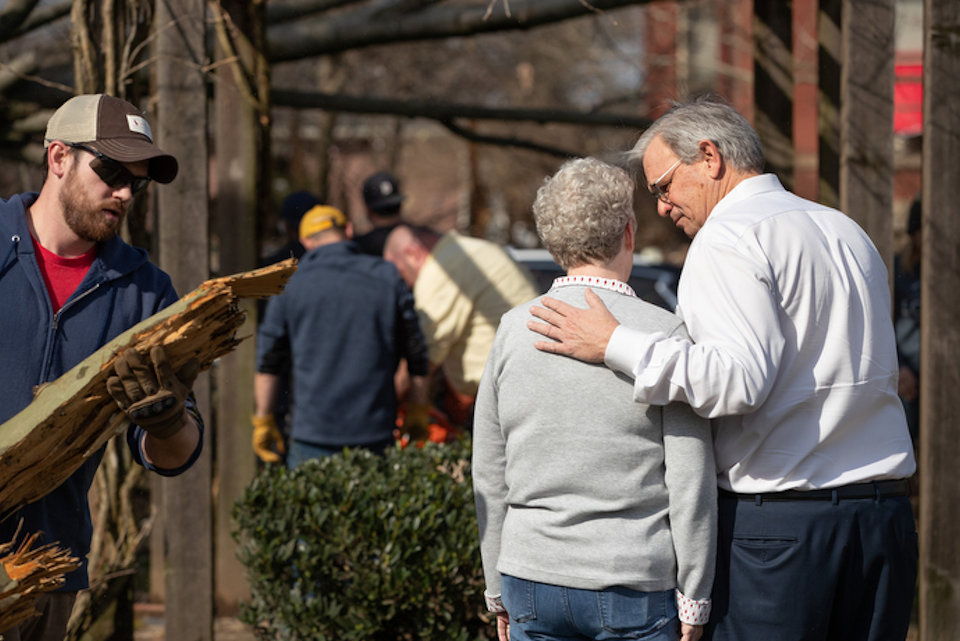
pixel 344 321
pixel 77 285
pixel 382 197
pixel 294 206
pixel 112 127
pixel 381 193
pixel 321 218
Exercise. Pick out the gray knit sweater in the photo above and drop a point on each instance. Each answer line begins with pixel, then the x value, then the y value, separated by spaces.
pixel 579 486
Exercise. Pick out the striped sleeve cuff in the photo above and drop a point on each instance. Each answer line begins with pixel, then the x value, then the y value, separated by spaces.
pixel 693 611
pixel 494 604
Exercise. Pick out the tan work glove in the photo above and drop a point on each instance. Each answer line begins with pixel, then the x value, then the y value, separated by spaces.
pixel 150 393
pixel 416 422
pixel 267 440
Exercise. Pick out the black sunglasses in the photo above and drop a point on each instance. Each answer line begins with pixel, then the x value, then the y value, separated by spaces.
pixel 114 174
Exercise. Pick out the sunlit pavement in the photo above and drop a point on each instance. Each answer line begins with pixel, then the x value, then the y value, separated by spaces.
pixel 148 625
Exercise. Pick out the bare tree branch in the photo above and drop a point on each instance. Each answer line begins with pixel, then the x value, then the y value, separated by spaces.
pixel 225 30
pixel 13 15
pixel 471 135
pixel 20 69
pixel 298 9
pixel 38 18
pixel 17 69
pixel 493 3
pixel 367 27
pixel 445 111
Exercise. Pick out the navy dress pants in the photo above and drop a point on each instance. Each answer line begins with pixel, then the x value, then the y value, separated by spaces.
pixel 814 570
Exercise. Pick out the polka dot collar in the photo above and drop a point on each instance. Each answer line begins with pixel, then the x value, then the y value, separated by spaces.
pixel 612 284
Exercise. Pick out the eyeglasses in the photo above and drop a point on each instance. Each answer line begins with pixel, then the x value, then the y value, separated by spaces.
pixel 113 173
pixel 659 192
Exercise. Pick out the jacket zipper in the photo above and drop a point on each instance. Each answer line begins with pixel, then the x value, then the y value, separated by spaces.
pixel 56 317
pixel 56 323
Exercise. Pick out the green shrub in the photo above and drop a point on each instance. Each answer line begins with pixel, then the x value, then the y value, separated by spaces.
pixel 362 547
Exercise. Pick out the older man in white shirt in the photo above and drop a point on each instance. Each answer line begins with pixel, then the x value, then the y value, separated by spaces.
pixel 793 355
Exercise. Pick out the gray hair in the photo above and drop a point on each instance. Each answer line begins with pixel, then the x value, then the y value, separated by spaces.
pixel 704 118
pixel 582 210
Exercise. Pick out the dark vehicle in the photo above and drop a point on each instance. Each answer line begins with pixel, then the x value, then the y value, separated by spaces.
pixel 653 282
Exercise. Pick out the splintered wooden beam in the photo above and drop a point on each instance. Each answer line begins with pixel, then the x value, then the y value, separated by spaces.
pixel 73 416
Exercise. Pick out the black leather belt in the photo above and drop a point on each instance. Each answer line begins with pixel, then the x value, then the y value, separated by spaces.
pixel 870 490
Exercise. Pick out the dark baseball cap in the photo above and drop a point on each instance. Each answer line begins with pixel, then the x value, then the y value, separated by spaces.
pixel 381 192
pixel 296 205
pixel 113 127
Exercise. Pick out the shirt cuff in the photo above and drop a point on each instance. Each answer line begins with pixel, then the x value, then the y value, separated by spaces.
pixel 693 611
pixel 494 604
pixel 625 349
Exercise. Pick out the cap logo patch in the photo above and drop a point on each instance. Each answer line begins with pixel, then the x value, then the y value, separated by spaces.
pixel 139 124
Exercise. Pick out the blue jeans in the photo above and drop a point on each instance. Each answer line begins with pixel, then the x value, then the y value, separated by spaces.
pixel 550 612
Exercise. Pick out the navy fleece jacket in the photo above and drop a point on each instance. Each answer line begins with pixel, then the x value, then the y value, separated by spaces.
pixel 37 345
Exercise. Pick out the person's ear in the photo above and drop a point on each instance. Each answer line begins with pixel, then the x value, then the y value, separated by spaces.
pixel 413 252
pixel 348 230
pixel 58 158
pixel 630 236
pixel 711 158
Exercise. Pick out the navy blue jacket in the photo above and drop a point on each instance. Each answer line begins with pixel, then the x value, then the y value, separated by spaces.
pixel 120 289
pixel 345 319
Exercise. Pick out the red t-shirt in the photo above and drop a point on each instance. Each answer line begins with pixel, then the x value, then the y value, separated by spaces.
pixel 62 275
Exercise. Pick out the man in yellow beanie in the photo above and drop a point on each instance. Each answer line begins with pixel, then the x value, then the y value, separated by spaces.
pixel 344 321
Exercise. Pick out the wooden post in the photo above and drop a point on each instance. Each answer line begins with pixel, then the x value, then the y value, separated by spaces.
pixel 866 120
pixel 773 85
pixel 939 364
pixel 183 214
pixel 240 138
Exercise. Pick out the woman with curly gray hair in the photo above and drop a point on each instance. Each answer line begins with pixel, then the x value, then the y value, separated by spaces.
pixel 582 212
pixel 597 514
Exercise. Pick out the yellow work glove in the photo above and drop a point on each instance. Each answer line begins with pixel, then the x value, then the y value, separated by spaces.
pixel 416 422
pixel 267 440
pixel 150 393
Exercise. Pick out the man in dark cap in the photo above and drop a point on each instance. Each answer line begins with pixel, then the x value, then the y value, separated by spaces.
pixel 77 285
pixel 295 205
pixel 382 197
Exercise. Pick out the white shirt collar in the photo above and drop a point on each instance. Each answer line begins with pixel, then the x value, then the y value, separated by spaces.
pixel 612 284
pixel 745 189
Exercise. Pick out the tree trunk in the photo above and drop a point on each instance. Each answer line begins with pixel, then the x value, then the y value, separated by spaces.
pixel 939 364
pixel 187 512
pixel 242 116
pixel 866 117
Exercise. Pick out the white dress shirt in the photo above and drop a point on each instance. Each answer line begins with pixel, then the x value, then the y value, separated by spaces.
pixel 788 305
